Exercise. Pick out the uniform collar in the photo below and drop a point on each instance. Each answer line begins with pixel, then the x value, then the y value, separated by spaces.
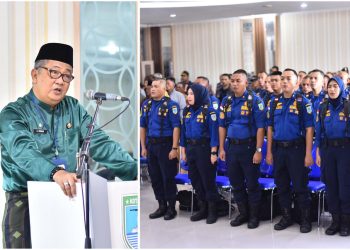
pixel 41 104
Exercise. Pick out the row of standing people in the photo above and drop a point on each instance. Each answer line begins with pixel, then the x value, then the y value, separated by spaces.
pixel 242 120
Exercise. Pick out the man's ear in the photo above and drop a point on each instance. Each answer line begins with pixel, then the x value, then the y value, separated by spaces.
pixel 34 74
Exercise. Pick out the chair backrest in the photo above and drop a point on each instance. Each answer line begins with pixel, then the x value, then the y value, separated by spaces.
pixel 183 165
pixel 221 167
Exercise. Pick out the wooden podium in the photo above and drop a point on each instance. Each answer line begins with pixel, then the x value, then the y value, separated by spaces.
pixel 56 221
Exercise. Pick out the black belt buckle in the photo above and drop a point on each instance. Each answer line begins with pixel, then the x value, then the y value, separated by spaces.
pixel 286 144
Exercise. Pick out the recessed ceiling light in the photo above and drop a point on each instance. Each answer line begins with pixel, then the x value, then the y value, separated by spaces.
pixel 267 5
pixel 303 5
pixel 172 15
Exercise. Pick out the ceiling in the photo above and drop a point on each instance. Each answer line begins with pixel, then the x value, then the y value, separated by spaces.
pixel 157 13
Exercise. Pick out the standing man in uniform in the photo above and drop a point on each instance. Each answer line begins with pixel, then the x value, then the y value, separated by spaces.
pixel 289 144
pixel 40 135
pixel 159 135
pixel 318 94
pixel 242 121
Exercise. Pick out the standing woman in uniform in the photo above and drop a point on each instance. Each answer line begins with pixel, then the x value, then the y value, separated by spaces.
pixel 333 147
pixel 199 141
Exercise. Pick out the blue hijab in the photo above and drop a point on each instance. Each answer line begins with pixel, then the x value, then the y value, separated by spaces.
pixel 201 95
pixel 335 102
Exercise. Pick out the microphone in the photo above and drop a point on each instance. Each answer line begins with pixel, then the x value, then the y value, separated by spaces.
pixel 92 95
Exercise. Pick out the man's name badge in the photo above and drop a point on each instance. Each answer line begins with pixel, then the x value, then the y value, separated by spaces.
pixel 40 131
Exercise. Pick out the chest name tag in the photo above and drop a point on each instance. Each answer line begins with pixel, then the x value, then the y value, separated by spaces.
pixel 40 131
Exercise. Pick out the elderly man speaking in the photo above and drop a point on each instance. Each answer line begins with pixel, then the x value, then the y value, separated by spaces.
pixel 40 135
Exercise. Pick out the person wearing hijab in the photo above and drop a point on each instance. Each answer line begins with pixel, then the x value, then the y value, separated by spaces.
pixel 199 141
pixel 333 147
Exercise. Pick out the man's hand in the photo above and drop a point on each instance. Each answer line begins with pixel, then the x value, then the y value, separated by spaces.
pixel 213 159
pixel 257 157
pixel 222 155
pixel 144 152
pixel 269 158
pixel 173 154
pixel 308 160
pixel 67 182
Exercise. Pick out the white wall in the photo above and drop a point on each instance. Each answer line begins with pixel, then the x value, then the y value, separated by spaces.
pixel 316 40
pixel 207 48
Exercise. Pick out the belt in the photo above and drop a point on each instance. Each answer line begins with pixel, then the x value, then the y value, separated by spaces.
pixel 287 144
pixel 200 141
pixel 241 141
pixel 155 140
pixel 336 142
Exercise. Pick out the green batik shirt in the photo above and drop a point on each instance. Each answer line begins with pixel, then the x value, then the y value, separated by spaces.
pixel 27 146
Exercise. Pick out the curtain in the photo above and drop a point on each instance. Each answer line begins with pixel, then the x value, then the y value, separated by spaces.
pixel 207 48
pixel 315 40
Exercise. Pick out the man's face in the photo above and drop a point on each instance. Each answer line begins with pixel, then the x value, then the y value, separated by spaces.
pixel 225 82
pixel 289 82
pixel 157 90
pixel 46 89
pixel 275 83
pixel 170 85
pixel 343 75
pixel 316 80
pixel 261 79
pixel 238 84
pixel 184 77
pixel 306 85
pixel 202 82
pixel 301 76
pixel 179 87
pixel 268 84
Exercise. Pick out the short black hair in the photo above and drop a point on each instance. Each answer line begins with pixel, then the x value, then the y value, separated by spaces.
pixel 241 71
pixel 302 71
pixel 295 73
pixel 226 74
pixel 317 71
pixel 276 73
pixel 185 72
pixel 170 78
pixel 204 78
pixel 275 67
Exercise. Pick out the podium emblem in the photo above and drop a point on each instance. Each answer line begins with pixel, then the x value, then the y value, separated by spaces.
pixel 130 218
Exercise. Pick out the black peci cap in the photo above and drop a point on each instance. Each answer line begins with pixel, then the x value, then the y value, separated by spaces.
pixel 56 51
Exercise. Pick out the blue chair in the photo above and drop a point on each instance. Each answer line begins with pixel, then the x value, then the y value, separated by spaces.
pixel 315 184
pixel 183 179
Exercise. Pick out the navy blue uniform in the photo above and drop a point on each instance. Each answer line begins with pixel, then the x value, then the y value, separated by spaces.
pixel 316 101
pixel 241 123
pixel 199 132
pixel 288 148
pixel 215 103
pixel 333 139
pixel 160 118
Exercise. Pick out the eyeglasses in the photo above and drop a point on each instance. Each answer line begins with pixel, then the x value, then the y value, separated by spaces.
pixel 55 74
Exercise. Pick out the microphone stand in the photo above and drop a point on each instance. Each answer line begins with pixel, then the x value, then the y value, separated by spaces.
pixel 83 173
